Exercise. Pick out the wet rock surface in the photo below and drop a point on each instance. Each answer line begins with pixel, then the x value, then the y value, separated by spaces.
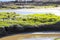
pixel 15 29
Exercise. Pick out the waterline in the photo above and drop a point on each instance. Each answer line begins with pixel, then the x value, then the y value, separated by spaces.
pixel 32 11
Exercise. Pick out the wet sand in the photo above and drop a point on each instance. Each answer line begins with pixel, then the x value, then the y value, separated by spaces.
pixel 22 36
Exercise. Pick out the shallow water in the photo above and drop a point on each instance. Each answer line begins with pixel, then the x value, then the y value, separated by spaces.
pixel 32 37
pixel 39 39
pixel 32 11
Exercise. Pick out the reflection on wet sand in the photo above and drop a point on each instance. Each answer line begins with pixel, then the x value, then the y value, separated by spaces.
pixel 25 36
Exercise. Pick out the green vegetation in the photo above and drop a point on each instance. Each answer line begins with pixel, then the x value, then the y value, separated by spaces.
pixel 46 6
pixel 7 19
pixel 12 6
pixel 57 39
pixel 12 23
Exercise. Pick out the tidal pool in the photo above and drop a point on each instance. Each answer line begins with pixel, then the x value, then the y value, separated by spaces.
pixel 32 11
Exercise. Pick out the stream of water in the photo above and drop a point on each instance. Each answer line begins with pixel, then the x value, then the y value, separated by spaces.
pixel 32 11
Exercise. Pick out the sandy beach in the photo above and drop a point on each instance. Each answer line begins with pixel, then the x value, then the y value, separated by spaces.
pixel 27 36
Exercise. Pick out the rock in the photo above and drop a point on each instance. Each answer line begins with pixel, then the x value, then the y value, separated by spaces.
pixel 2 32
pixel 14 29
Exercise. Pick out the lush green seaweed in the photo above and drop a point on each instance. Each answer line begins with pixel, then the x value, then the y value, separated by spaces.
pixel 12 23
pixel 7 19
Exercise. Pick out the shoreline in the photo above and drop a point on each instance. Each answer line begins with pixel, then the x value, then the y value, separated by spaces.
pixel 33 8
pixel 55 10
pixel 27 36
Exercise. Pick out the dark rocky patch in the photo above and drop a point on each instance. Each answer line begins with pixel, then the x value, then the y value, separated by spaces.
pixel 15 29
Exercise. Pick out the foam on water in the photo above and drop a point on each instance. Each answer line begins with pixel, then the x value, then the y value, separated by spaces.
pixel 39 38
